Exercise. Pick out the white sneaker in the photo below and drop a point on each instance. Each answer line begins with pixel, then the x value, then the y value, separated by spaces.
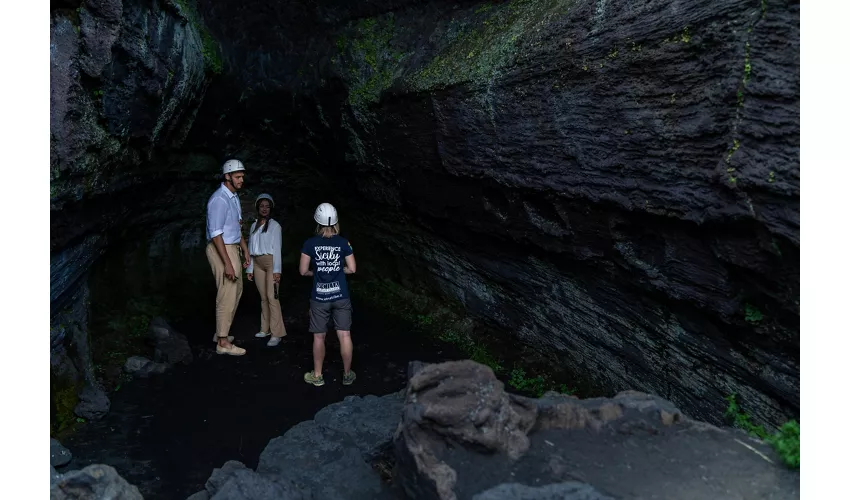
pixel 273 341
pixel 260 335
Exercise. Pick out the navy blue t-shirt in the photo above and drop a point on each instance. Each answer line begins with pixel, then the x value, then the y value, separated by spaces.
pixel 327 257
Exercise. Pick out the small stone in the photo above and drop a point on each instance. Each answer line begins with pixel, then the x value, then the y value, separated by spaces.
pixel 94 403
pixel 94 482
pixel 136 364
pixel 59 455
pixel 171 347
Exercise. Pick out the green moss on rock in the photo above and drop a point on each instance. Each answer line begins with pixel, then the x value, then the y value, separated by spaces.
pixel 210 51
pixel 63 399
pixel 482 48
pixel 368 58
pixel 445 320
pixel 118 334
pixel 209 46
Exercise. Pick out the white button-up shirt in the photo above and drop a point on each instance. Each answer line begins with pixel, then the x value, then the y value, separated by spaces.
pixel 268 243
pixel 224 216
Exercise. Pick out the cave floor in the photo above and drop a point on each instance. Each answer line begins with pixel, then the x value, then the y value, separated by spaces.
pixel 167 433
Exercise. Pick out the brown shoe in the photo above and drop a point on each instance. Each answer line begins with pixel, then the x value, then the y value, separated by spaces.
pixel 232 350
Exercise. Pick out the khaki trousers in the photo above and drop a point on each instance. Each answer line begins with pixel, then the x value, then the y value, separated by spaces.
pixel 229 292
pixel 270 317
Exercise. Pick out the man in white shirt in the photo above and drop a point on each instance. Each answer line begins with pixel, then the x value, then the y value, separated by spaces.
pixel 224 237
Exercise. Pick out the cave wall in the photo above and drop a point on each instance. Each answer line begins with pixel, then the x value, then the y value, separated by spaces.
pixel 614 181
pixel 623 191
pixel 126 80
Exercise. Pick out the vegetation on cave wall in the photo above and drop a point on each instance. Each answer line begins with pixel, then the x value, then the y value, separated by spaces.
pixel 367 57
pixel 478 46
pixel 210 48
pixel 372 53
pixel 520 367
pixel 63 399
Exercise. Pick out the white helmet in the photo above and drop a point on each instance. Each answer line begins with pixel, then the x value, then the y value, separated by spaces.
pixel 231 166
pixel 264 196
pixel 325 215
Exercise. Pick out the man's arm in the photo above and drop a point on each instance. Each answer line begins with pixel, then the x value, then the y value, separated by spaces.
pixel 250 268
pixel 229 272
pixel 216 213
pixel 245 253
pixel 304 265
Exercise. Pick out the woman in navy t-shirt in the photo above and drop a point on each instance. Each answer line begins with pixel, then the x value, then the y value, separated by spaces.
pixel 331 257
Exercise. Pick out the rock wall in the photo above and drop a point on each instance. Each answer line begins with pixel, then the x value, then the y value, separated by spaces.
pixel 126 80
pixel 614 181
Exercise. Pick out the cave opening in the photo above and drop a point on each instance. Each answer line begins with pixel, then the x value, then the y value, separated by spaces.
pixel 582 203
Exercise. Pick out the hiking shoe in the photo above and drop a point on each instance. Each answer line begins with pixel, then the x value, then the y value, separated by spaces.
pixel 311 378
pixel 229 338
pixel 273 341
pixel 348 379
pixel 232 350
pixel 260 335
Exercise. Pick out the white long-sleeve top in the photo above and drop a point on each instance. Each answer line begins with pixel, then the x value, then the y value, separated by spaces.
pixel 224 216
pixel 265 243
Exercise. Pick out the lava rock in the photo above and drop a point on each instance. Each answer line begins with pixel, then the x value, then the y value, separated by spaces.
pixel 54 476
pixel 245 484
pixel 368 421
pixel 153 369
pixel 94 403
pixel 338 470
pixel 234 481
pixel 95 482
pixel 461 435
pixel 171 347
pixel 332 455
pixel 415 367
pixel 136 363
pixel 557 491
pixel 100 25
pixel 221 475
pixel 460 402
pixel 480 414
pixel 143 367
pixel 59 455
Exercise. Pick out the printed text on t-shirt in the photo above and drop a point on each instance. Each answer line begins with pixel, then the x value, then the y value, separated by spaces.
pixel 327 259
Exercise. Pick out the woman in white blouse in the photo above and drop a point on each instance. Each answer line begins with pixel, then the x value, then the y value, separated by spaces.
pixel 264 247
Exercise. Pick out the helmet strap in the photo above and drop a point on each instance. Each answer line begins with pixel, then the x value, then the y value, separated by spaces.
pixel 228 179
